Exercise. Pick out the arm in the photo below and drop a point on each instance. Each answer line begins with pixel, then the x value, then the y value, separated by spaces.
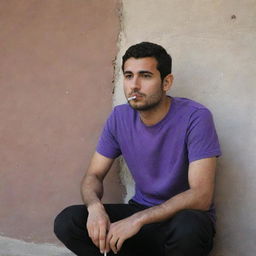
pixel 201 175
pixel 92 192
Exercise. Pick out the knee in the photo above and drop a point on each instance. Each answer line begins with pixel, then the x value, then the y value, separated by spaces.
pixel 63 223
pixel 190 232
pixel 190 222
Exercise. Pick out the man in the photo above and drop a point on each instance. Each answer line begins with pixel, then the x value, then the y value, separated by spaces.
pixel 170 146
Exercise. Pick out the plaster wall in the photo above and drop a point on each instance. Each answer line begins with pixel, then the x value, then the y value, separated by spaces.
pixel 56 72
pixel 214 62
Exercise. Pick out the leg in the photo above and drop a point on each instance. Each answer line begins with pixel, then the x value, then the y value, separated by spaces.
pixel 189 232
pixel 70 227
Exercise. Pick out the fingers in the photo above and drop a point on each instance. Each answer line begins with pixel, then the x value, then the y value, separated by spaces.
pixel 119 232
pixel 102 238
pixel 109 236
pixel 97 226
pixel 119 244
pixel 98 234
pixel 113 243
pixel 90 230
pixel 112 239
pixel 94 235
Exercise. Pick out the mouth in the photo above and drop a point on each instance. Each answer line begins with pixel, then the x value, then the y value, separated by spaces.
pixel 132 98
pixel 135 95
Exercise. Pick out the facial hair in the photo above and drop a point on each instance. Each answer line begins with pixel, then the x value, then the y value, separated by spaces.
pixel 152 101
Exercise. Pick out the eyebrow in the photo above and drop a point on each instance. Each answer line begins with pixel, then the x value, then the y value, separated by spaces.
pixel 140 72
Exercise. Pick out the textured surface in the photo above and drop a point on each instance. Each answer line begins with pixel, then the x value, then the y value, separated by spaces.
pixel 55 93
pixel 214 62
pixel 13 247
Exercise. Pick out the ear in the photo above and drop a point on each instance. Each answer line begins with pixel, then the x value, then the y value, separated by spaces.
pixel 167 82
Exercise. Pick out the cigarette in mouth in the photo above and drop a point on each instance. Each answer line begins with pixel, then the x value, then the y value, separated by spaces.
pixel 105 253
pixel 131 98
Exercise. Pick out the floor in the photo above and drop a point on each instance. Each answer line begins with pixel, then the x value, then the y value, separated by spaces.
pixel 13 247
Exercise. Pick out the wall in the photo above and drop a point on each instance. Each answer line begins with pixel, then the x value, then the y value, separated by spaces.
pixel 56 66
pixel 56 75
pixel 214 61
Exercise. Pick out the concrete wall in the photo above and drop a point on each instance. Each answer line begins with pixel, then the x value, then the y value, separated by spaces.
pixel 56 75
pixel 55 93
pixel 214 62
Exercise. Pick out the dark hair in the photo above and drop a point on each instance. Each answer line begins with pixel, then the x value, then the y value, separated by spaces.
pixel 147 49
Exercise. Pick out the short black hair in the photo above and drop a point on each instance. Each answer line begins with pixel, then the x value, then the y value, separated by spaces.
pixel 148 49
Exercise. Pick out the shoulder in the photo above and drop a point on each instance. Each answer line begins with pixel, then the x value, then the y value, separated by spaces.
pixel 190 107
pixel 188 104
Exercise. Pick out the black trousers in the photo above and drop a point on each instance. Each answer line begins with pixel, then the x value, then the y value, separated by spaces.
pixel 188 233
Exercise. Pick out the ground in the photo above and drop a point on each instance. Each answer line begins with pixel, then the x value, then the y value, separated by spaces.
pixel 13 247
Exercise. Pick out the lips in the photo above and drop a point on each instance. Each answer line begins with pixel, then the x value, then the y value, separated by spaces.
pixel 137 95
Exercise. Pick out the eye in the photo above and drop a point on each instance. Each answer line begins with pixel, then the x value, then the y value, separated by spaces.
pixel 128 76
pixel 146 75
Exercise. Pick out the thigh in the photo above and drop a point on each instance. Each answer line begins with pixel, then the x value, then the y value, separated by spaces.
pixel 76 215
pixel 118 212
pixel 189 232
pixel 70 227
pixel 149 241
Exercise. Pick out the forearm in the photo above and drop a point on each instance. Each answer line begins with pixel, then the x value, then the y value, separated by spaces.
pixel 92 183
pixel 189 199
pixel 91 189
pixel 98 221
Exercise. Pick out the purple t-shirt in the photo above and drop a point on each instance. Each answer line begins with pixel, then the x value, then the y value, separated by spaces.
pixel 158 156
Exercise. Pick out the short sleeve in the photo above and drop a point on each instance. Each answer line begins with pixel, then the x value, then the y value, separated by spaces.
pixel 202 139
pixel 108 145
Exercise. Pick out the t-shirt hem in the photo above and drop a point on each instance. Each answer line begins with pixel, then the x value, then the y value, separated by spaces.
pixel 108 155
pixel 205 155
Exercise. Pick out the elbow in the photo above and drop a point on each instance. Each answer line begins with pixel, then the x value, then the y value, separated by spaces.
pixel 205 207
pixel 204 201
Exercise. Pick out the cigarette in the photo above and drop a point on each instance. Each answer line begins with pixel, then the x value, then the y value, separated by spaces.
pixel 105 253
pixel 130 98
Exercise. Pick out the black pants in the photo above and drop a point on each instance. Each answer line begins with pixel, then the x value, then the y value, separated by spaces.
pixel 188 233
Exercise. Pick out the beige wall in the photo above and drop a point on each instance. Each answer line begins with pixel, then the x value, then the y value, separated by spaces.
pixel 214 62
pixel 55 93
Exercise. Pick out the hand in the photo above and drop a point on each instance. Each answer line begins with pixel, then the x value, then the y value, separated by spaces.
pixel 120 231
pixel 97 225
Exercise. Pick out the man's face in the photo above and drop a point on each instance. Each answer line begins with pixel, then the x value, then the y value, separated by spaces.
pixel 143 80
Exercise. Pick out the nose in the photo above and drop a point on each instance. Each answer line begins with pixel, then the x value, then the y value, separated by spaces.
pixel 135 83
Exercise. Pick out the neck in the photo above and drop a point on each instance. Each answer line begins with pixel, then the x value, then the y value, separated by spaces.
pixel 155 115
